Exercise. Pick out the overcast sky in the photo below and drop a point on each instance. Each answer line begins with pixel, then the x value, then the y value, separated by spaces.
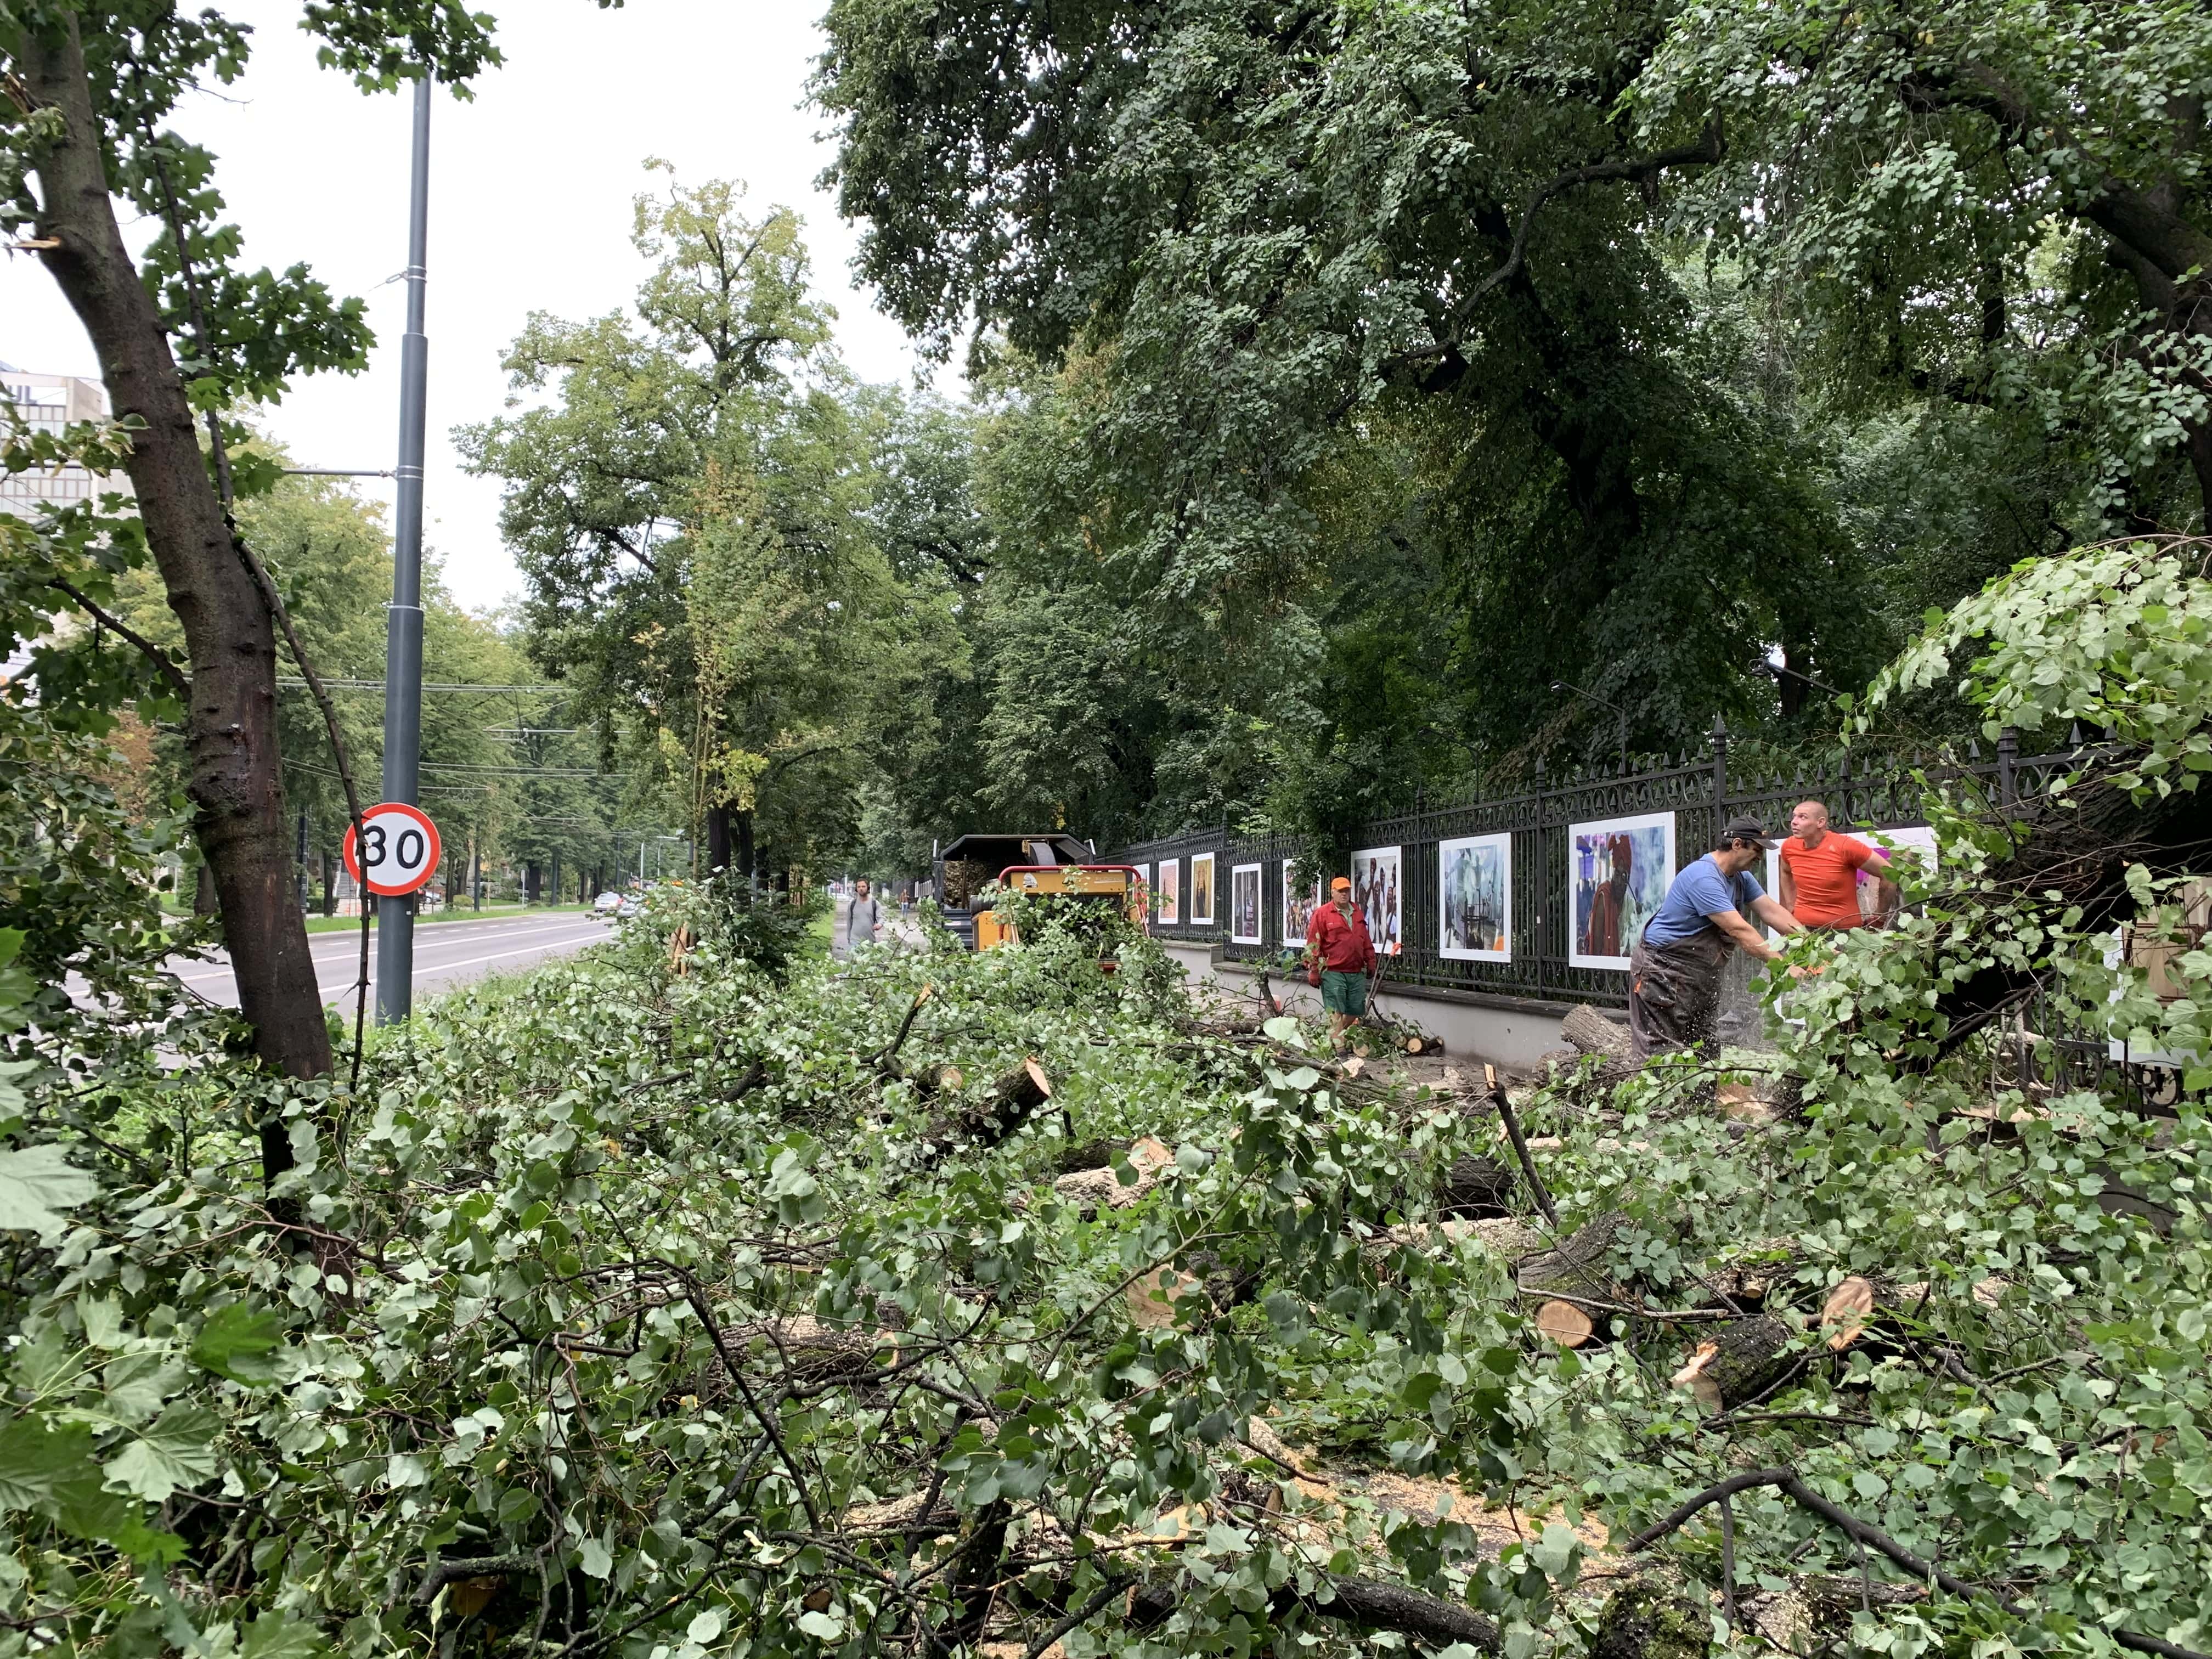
pixel 530 210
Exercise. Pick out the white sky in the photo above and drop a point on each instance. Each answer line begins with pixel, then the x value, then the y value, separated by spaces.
pixel 530 210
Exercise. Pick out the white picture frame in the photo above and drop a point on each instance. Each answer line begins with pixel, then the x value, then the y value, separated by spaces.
pixel 1378 892
pixel 1603 920
pixel 1202 884
pixel 1170 893
pixel 1297 908
pixel 1247 904
pixel 1475 898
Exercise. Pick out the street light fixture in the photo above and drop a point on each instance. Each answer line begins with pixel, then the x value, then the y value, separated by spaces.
pixel 1569 685
pixel 1774 671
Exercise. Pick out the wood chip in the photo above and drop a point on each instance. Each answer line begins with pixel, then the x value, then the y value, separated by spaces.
pixel 1844 1316
pixel 1692 1377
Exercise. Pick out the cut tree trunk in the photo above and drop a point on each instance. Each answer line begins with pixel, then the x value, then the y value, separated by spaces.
pixel 234 778
pixel 1013 1100
pixel 1574 1270
pixel 720 851
pixel 1741 1362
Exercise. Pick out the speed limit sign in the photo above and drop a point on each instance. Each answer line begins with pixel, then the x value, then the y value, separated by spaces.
pixel 402 848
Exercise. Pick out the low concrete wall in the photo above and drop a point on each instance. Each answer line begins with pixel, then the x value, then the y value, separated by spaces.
pixel 1475 1025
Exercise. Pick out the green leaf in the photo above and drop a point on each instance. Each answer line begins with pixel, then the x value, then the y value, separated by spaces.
pixel 706 1627
pixel 822 1625
pixel 594 1559
pixel 177 1450
pixel 36 1184
pixel 1284 1029
pixel 280 1636
pixel 241 1343
pixel 37 1462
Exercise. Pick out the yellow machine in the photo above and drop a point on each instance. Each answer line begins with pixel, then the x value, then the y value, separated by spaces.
pixel 1109 885
pixel 1056 864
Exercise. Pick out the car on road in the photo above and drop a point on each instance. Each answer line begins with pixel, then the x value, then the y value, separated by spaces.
pixel 607 904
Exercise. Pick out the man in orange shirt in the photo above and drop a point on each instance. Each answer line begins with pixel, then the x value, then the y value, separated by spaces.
pixel 1817 882
pixel 1341 954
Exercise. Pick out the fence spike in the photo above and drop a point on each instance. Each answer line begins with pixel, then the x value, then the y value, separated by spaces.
pixel 1973 749
pixel 2074 735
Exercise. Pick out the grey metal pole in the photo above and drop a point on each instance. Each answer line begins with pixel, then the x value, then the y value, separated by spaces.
pixel 403 636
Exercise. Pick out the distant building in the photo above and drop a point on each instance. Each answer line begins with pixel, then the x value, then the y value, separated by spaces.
pixel 48 403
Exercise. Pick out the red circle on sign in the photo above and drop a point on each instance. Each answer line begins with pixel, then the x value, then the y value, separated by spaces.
pixel 404 847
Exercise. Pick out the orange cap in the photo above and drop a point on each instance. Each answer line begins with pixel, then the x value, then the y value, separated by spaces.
pixel 1343 883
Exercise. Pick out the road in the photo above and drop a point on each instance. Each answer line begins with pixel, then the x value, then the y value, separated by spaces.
pixel 447 954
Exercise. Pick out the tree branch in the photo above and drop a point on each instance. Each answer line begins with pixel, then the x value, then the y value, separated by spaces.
pixel 1872 1538
pixel 161 660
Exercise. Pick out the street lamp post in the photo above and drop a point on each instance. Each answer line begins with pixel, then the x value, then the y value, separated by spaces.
pixel 402 631
pixel 1569 685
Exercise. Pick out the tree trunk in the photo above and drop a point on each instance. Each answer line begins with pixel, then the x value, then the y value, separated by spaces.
pixel 718 853
pixel 330 884
pixel 746 854
pixel 234 778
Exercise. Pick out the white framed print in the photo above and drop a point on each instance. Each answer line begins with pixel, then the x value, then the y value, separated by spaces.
pixel 1379 895
pixel 1298 907
pixel 1245 886
pixel 1912 844
pixel 1201 889
pixel 1618 872
pixel 1144 889
pixel 1170 893
pixel 1475 898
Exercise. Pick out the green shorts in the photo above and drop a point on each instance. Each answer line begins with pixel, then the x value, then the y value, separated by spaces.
pixel 1344 993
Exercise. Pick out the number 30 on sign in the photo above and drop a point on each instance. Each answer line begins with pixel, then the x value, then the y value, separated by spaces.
pixel 402 849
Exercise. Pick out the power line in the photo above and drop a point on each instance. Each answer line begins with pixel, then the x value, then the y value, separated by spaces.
pixel 293 683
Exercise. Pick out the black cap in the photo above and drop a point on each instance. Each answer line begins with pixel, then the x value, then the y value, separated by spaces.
pixel 1738 829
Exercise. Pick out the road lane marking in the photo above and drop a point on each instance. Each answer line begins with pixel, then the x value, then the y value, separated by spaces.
pixel 224 971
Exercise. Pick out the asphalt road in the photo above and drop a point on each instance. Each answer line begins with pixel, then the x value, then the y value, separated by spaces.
pixel 447 954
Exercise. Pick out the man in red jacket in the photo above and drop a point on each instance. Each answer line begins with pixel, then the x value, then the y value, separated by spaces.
pixel 1337 943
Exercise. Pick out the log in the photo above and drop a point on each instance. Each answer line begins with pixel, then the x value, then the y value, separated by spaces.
pixel 1013 1100
pixel 1743 1361
pixel 1575 1270
pixel 1564 1323
pixel 1475 1187
pixel 1592 1033
pixel 1652 1619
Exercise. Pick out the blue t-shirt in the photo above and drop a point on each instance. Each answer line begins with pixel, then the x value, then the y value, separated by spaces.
pixel 1700 891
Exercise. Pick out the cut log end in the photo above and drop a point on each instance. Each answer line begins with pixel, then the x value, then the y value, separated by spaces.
pixel 1564 1323
pixel 1844 1316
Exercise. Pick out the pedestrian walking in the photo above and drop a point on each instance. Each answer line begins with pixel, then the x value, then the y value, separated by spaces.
pixel 859 920
pixel 1817 873
pixel 1674 971
pixel 1339 954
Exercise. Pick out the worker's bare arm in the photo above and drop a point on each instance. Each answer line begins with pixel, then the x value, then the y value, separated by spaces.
pixel 1785 885
pixel 1743 934
pixel 1775 916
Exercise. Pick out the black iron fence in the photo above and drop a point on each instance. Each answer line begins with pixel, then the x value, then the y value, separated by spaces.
pixel 1544 955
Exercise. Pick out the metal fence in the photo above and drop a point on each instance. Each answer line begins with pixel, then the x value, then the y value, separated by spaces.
pixel 1702 791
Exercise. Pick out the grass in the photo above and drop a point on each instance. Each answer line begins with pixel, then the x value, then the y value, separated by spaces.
pixel 490 912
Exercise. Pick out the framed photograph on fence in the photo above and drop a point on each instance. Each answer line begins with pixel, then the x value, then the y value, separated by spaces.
pixel 1244 904
pixel 1618 871
pixel 1474 899
pixel 1913 844
pixel 1144 888
pixel 1298 907
pixel 1170 893
pixel 1201 889
pixel 1380 896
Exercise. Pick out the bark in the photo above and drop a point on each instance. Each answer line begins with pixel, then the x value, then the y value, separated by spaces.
pixel 1475 1187
pixel 719 850
pixel 1744 1361
pixel 1575 1270
pixel 233 776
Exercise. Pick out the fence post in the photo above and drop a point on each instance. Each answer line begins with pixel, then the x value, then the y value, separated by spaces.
pixel 2008 758
pixel 1720 738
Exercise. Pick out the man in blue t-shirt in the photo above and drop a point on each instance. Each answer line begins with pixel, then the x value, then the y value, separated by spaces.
pixel 1674 971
